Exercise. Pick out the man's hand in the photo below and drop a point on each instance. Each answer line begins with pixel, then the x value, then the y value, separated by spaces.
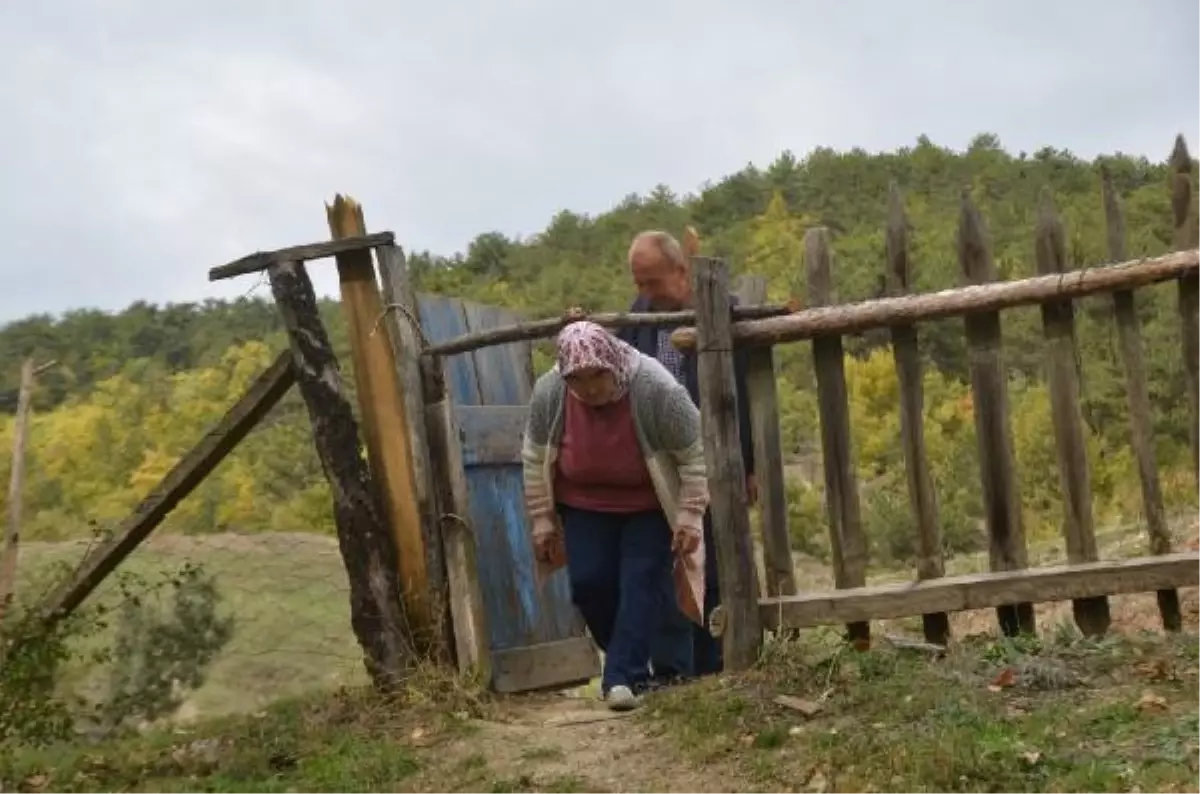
pixel 751 490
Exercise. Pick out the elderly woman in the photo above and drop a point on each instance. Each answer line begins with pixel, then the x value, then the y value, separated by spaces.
pixel 616 490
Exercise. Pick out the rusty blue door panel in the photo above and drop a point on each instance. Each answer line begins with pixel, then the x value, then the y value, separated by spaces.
pixel 491 390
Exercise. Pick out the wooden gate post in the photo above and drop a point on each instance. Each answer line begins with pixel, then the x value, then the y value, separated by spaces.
pixel 1137 392
pixel 762 393
pixel 384 417
pixel 742 632
pixel 367 551
pixel 847 542
pixel 402 322
pixel 993 425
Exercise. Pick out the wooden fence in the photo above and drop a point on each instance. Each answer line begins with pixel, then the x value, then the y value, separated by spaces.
pixel 1009 587
pixel 402 514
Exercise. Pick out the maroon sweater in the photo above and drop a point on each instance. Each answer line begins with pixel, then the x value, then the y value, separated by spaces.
pixel 600 465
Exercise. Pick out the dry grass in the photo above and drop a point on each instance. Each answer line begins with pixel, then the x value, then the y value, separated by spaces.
pixel 1055 714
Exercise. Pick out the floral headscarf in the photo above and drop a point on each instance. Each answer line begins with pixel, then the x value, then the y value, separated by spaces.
pixel 585 344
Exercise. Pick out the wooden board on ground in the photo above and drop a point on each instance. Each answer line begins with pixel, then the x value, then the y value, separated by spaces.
pixel 490 389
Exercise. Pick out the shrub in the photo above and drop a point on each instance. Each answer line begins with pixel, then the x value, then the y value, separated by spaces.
pixel 149 660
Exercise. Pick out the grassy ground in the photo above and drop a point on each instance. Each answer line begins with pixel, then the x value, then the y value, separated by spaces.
pixel 287 593
pixel 1067 714
pixel 1057 714
pixel 1118 714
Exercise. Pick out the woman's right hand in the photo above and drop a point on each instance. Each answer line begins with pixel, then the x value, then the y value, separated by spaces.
pixel 547 542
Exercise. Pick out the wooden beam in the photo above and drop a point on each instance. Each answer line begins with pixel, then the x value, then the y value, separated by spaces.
pixel 1185 236
pixel 853 318
pixel 384 416
pixel 16 479
pixel 982 591
pixel 262 260
pixel 846 539
pixel 1062 354
pixel 742 634
pixel 993 425
pixel 1137 392
pixel 472 646
pixel 183 477
pixel 367 550
pixel 544 329
pixel 762 394
pixel 907 358
pixel 402 324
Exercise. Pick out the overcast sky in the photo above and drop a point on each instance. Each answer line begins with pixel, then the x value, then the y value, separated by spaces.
pixel 143 141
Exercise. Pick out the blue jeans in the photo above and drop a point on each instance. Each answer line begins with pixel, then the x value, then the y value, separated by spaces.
pixel 616 563
pixel 681 648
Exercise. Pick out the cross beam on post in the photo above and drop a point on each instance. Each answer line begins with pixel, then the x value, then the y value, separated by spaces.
pixel 261 260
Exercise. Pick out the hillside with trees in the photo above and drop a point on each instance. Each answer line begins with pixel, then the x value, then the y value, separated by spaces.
pixel 134 389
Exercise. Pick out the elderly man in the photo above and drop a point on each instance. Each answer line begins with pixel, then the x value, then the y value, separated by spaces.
pixel 662 273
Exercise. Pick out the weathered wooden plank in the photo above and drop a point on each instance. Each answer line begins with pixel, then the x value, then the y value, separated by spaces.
pixel 183 477
pixel 847 541
pixel 503 375
pixel 1141 427
pixel 505 372
pixel 742 635
pixel 1187 235
pixel 558 664
pixel 368 552
pixel 299 253
pixel 762 393
pixel 983 590
pixel 989 393
pixel 468 616
pixel 1058 325
pixel 384 419
pixel 907 357
pixel 402 325
pixel 518 614
pixel 491 434
pixel 527 330
pixel 854 318
pixel 16 481
pixel 444 318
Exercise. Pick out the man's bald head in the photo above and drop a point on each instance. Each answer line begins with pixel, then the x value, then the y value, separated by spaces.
pixel 660 270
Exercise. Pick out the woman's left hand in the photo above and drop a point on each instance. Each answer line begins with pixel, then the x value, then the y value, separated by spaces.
pixel 685 540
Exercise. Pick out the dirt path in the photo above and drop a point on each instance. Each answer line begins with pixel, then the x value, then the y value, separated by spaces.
pixel 569 742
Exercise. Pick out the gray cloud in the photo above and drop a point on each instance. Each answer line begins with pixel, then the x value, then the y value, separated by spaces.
pixel 145 141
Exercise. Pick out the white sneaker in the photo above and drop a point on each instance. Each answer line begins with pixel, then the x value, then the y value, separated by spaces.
pixel 621 698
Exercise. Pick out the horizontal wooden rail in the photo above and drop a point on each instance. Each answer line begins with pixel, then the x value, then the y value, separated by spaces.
pixel 262 260
pixel 541 329
pixel 982 591
pixel 852 318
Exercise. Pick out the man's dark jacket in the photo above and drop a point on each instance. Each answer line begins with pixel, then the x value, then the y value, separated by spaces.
pixel 645 339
